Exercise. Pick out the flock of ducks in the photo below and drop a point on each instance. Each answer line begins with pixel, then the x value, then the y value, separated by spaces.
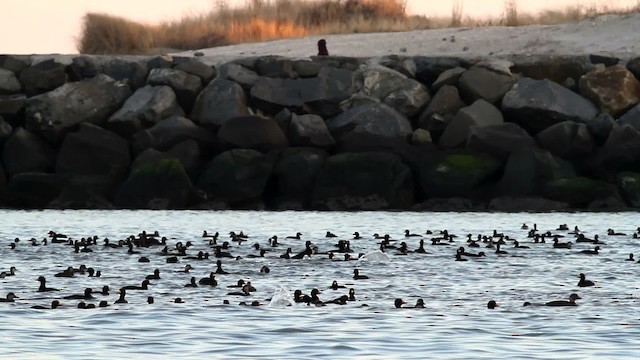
pixel 228 250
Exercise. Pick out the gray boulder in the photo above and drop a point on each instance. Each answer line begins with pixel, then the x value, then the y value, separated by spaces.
pixel 170 131
pixel 310 130
pixel 5 131
pixel 482 83
pixel 405 66
pixel 363 181
pixel 631 117
pixel 446 102
pixel 82 67
pixel 237 73
pixel 406 95
pixel 537 104
pixel 252 132
pixel 480 113
pixel 568 140
pixel 237 177
pixel 428 68
pixel 93 150
pixel 499 140
pixel 205 72
pixel 15 63
pixel 3 182
pixel 160 62
pixel 600 127
pixel 143 109
pixel 34 190
pixel 621 151
pixel 134 73
pixel 634 66
pixel 9 83
pixel 435 124
pixel 274 66
pixel 85 192
pixel 448 77
pixel 295 175
pixel 613 89
pixel 220 101
pixel 184 85
pixel 629 185
pixel 25 152
pixel 42 77
pixel 579 191
pixel 522 204
pixel 12 106
pixel 187 152
pixel 90 100
pixel 375 119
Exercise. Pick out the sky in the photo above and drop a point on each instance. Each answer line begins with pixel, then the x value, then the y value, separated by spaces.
pixel 52 26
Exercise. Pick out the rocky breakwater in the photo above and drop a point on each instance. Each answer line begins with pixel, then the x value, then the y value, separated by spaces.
pixel 331 133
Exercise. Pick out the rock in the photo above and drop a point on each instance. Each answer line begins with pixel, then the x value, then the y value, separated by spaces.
pixel 42 77
pixel 579 191
pixel 537 104
pixel 85 192
pixel 12 108
pixel 608 204
pixel 205 72
pixel 528 171
pixel 613 90
pixel 187 152
pixel 448 77
pixel 33 190
pixel 405 66
pixel 90 100
pixel 482 83
pixel 237 177
pixel 363 181
pixel 457 204
pixel 81 67
pixel 15 63
pixel 339 62
pixel 374 119
pixel 522 204
pixel 436 124
pixel 5 131
pixel 605 60
pixel 306 68
pixel 160 62
pixel 283 119
pixel 310 130
pixel 629 185
pixel 143 109
pixel 634 66
pixel 25 152
pixel 568 140
pixel 239 74
pixel 450 175
pixel 274 67
pixel 252 132
pixel 421 137
pixel 600 127
pixel 631 117
pixel 295 174
pixel 428 68
pixel 406 95
pixel 93 150
pixel 134 73
pixel 551 67
pixel 220 101
pixel 480 113
pixel 446 102
pixel 499 140
pixel 160 185
pixel 9 83
pixel 621 151
pixel 184 85
pixel 169 132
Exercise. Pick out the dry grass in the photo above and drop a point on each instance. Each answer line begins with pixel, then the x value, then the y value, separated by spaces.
pixel 261 20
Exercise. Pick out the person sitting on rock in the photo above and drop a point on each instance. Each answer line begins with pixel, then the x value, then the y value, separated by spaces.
pixel 322 48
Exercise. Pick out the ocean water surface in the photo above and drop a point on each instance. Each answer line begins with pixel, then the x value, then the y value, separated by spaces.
pixel 455 323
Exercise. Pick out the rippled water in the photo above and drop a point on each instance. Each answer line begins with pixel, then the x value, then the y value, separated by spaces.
pixel 456 323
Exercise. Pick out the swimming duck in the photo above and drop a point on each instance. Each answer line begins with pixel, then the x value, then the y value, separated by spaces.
pixel 105 290
pixel 631 257
pixel 154 276
pixel 150 300
pixel 329 234
pixel 54 305
pixel 306 252
pixel 356 236
pixel 492 304
pixel 500 252
pixel 517 245
pixel 558 245
pixel 210 280
pixel 570 302
pixel 584 282
pixel 611 232
pixel 43 287
pixel 253 256
pixel 86 296
pixel 407 233
pixel 192 283
pixel 398 303
pixel 298 235
pixel 121 299
pixel 9 298
pixel 265 269
pixel 143 286
pixel 68 272
pixel 341 300
pixel 335 286
pixel 419 304
pixel 11 272
pixel 186 269
pixel 352 294
pixel 219 269
pixel 460 258
pixel 524 227
pixel 357 276
pixel 591 252
pixel 178 300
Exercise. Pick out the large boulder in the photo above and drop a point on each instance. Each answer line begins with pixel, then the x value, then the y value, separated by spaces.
pixel 363 181
pixel 568 140
pixel 629 185
pixel 621 151
pixel 34 189
pixel 237 178
pixel 600 127
pixel 86 192
pixel 551 67
pixel 499 140
pixel 428 68
pixel 373 119
pixel 12 108
pixel 537 104
pixel 239 74
pixel 133 73
pixel 448 77
pixel 482 83
pixel 274 66
pixel 480 113
pixel 170 131
pixel 579 191
pixel 90 100
pixel 205 72
pixel 159 185
pixel 25 151
pixel 448 175
pixel 220 101
pixel 406 95
pixel 42 77
pixel 94 150
pixel 3 182
pixel 631 117
pixel 143 109
pixel 187 152
pixel 82 67
pixel 15 63
pixel 5 131
pixel 613 89
pixel 633 65
pixel 310 130
pixel 9 83
pixel 295 175
pixel 522 204
pixel 184 85
pixel 252 132
pixel 445 102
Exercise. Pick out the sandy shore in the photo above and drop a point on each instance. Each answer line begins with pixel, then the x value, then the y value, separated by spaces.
pixel 605 35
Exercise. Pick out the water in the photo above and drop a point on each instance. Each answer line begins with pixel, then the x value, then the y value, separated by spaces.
pixel 456 323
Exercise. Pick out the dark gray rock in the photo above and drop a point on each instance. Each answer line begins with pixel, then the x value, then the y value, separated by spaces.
pixel 86 192
pixel 480 113
pixel 160 62
pixel 621 151
pixel 3 182
pixel 629 185
pixel 283 119
pixel 252 132
pixel 537 104
pixel 34 190
pixel 220 101
pixel 239 74
pixel 604 60
pixel 82 67
pixel 579 191
pixel 90 100
pixel 631 117
pixel 482 83
pixel 306 68
pixel 551 67
pixel 435 124
pixel 295 175
pixel 457 204
pixel 406 95
pixel 448 77
pixel 15 63
pixel 634 66
pixel 499 140
pixel 9 83
pixel 184 85
pixel 134 73
pixel 42 77
pixel 310 130
pixel 339 62
pixel 363 181
pixel 568 140
pixel 446 102
pixel 94 150
pixel 25 152
pixel 529 204
pixel 374 119
pixel 5 131
pixel 609 203
pixel 600 127
pixel 205 72
pixel 428 68
pixel 187 152
pixel 146 107
pixel 405 66
pixel 274 67
pixel 12 107
pixel 169 132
